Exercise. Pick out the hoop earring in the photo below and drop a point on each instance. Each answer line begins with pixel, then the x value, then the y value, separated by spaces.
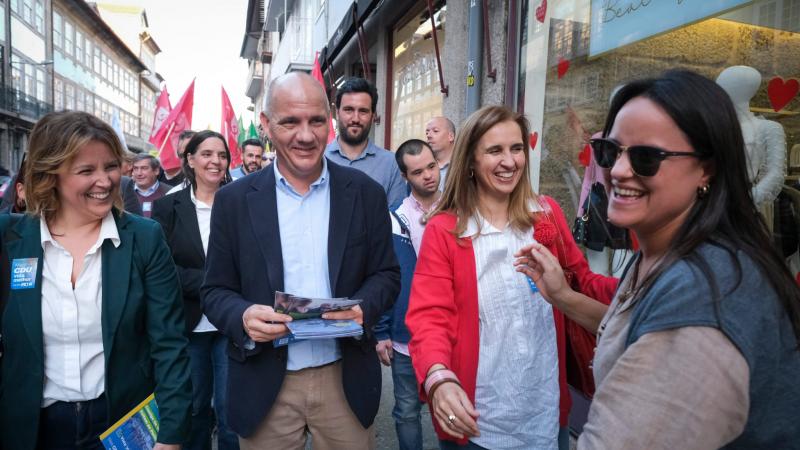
pixel 471 173
pixel 702 191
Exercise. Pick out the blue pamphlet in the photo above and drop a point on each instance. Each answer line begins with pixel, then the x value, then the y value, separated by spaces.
pixel 137 430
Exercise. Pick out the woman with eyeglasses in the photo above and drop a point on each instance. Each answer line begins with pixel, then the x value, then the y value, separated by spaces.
pixel 487 350
pixel 700 347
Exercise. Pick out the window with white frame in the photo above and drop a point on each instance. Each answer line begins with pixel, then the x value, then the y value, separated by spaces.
pixel 79 46
pixel 69 38
pixel 41 84
pixel 58 35
pixel 38 20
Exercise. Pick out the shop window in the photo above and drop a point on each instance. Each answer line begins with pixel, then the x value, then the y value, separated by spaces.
pixel 415 78
pixel 564 85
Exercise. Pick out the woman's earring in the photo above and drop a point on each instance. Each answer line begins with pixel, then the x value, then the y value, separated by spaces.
pixel 702 191
pixel 471 173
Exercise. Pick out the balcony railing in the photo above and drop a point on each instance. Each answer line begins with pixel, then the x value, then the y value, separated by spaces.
pixel 16 101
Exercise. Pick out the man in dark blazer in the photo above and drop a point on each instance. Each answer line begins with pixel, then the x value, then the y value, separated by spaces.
pixel 266 236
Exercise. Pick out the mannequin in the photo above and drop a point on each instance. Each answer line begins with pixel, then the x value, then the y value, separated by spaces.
pixel 764 139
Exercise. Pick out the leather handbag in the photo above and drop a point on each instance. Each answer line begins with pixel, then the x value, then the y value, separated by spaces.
pixel 592 229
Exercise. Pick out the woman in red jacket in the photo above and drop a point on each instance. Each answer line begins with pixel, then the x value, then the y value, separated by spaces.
pixel 487 349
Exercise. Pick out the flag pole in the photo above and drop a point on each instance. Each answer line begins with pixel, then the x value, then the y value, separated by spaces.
pixel 169 131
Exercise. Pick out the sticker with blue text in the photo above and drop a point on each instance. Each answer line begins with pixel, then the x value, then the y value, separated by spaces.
pixel 23 273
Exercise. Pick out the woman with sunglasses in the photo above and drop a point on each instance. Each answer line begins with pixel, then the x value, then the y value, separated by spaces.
pixel 488 352
pixel 699 348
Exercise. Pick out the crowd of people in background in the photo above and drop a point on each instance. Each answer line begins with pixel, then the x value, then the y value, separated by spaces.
pixel 120 278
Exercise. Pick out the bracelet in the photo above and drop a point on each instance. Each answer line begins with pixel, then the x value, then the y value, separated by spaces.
pixel 438 375
pixel 439 383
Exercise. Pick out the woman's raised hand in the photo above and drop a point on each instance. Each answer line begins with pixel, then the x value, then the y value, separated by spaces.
pixel 538 264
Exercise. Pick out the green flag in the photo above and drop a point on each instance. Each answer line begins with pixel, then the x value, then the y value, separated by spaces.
pixel 252 133
pixel 241 138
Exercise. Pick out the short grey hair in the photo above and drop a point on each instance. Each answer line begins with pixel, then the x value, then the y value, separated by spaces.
pixel 274 84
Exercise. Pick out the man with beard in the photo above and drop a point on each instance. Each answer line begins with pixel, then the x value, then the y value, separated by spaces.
pixel 252 151
pixel 440 132
pixel 355 108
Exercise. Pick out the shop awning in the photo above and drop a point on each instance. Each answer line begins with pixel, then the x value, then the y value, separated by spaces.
pixel 346 30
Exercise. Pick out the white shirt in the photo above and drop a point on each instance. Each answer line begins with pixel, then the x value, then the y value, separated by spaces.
pixel 203 211
pixel 517 390
pixel 177 188
pixel 74 362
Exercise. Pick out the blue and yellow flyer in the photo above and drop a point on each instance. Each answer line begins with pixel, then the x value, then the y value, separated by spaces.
pixel 137 430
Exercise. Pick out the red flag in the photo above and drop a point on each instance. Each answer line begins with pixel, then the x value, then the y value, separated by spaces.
pixel 316 72
pixel 179 120
pixel 163 109
pixel 230 129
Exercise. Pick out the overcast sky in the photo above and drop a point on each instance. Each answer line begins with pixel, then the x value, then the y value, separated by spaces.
pixel 202 39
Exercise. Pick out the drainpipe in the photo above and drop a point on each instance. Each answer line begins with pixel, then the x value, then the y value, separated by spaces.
pixel 474 56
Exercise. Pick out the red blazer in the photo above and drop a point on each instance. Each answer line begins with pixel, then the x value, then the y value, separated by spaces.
pixel 443 308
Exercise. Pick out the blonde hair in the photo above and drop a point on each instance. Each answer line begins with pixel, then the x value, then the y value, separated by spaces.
pixel 55 140
pixel 460 195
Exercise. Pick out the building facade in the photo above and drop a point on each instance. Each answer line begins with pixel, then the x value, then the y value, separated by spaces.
pixel 27 73
pixel 62 54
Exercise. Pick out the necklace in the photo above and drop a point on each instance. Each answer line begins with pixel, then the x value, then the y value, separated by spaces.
pixel 635 285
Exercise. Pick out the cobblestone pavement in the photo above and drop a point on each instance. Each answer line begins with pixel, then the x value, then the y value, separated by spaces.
pixel 384 424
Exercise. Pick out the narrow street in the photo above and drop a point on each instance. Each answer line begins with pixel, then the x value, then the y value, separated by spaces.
pixel 384 424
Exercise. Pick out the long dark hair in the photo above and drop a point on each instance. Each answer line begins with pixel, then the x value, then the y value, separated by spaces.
pixel 726 216
pixel 191 148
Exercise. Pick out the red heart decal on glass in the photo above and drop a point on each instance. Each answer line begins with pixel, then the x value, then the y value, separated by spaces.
pixel 781 92
pixel 585 155
pixel 563 67
pixel 533 140
pixel 541 11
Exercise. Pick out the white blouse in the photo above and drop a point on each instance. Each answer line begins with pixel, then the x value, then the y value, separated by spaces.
pixel 203 212
pixel 74 362
pixel 517 390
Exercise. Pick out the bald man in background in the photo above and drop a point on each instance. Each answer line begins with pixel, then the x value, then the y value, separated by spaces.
pixel 440 132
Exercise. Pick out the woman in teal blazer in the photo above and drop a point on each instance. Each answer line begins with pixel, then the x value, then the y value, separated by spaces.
pixel 76 358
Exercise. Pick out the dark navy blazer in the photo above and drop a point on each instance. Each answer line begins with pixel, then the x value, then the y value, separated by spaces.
pixel 244 266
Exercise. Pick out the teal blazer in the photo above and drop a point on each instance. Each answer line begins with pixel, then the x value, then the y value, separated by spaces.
pixel 142 323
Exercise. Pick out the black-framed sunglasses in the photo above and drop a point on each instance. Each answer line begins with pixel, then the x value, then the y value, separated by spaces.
pixel 645 160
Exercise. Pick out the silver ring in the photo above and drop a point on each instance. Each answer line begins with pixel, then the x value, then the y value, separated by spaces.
pixel 451 418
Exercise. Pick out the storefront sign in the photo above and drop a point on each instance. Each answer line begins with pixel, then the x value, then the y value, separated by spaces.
pixel 621 22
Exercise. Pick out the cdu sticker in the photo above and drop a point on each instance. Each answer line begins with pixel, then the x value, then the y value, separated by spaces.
pixel 23 273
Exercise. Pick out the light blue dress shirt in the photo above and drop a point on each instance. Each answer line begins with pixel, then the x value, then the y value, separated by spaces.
pixel 303 223
pixel 379 164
